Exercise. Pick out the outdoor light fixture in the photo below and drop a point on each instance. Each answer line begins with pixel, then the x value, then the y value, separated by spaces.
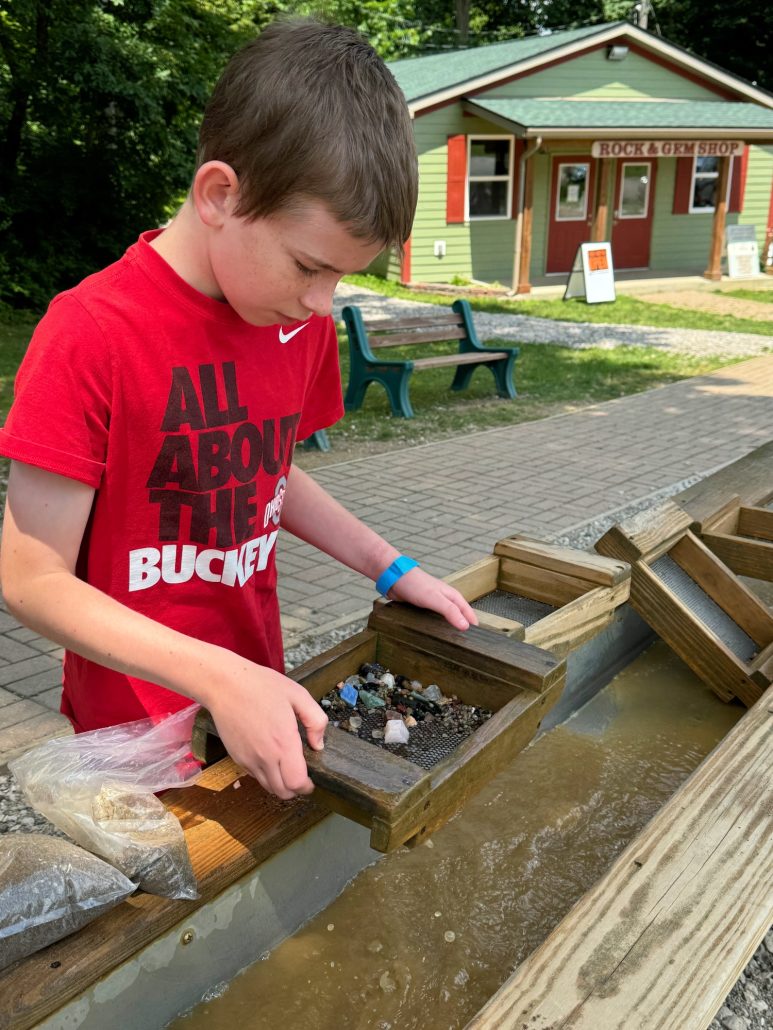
pixel 617 53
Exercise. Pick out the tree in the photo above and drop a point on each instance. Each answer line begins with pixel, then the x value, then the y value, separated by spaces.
pixel 99 107
pixel 734 34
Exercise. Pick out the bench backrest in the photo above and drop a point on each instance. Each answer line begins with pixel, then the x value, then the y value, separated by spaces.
pixel 369 335
pixel 393 332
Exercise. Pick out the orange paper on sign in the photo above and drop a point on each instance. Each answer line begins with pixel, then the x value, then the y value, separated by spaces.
pixel 597 260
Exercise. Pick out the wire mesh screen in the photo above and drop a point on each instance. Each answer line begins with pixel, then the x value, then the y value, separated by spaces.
pixel 708 611
pixel 513 606
pixel 430 743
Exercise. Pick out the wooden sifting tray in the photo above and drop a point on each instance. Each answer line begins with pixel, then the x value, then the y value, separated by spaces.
pixel 552 597
pixel 399 800
pixel 695 602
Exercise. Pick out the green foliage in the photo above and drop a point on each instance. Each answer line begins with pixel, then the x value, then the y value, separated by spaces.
pixel 734 34
pixel 99 106
pixel 390 26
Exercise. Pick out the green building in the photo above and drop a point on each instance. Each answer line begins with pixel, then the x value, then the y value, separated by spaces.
pixel 529 147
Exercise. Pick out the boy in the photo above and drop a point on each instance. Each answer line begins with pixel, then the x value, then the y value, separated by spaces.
pixel 157 408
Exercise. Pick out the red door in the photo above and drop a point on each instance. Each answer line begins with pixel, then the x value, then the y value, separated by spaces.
pixel 571 209
pixel 632 213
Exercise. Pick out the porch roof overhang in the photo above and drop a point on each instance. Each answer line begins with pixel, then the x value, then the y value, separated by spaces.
pixel 567 118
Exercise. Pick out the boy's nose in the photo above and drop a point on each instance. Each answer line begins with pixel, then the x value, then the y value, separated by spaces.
pixel 319 299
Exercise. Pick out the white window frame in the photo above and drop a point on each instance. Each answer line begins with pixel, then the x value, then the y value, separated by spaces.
pixel 634 164
pixel 706 175
pixel 489 178
pixel 574 218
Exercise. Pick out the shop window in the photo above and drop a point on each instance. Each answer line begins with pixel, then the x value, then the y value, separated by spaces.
pixel 572 192
pixel 703 191
pixel 634 197
pixel 490 177
pixel 691 176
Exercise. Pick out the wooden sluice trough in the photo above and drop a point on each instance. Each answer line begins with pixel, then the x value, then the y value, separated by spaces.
pixel 732 513
pixel 265 867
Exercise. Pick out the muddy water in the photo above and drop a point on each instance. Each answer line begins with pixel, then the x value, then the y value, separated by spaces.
pixel 422 938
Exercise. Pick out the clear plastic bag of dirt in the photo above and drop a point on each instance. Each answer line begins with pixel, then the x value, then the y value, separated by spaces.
pixel 98 787
pixel 49 888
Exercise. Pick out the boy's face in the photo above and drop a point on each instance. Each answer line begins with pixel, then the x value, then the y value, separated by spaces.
pixel 285 267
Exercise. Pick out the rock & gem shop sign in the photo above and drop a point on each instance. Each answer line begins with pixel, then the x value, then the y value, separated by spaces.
pixel 666 148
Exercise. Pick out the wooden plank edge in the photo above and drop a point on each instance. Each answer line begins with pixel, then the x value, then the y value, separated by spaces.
pixel 561 969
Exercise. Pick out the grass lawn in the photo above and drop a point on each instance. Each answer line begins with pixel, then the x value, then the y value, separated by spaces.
pixel 15 332
pixel 623 311
pixel 765 296
pixel 550 380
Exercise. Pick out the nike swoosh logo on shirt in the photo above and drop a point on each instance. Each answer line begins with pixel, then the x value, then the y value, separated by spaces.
pixel 284 337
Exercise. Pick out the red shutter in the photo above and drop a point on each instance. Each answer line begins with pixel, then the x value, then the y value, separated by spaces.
pixel 738 181
pixel 682 186
pixel 457 178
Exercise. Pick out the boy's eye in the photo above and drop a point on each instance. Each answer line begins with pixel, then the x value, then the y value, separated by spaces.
pixel 304 269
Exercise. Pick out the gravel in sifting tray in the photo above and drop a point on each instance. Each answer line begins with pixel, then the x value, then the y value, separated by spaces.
pixel 420 723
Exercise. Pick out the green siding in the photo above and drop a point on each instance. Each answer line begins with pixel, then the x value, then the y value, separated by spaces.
pixel 679 242
pixel 592 75
pixel 541 206
pixel 484 249
pixel 478 250
pixel 759 181
pixel 380 265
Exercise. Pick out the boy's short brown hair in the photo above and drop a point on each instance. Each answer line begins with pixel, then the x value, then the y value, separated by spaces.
pixel 310 110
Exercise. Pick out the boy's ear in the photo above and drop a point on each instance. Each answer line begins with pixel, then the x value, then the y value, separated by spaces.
pixel 215 192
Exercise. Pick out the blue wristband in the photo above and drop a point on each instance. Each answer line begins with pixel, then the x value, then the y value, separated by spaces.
pixel 390 576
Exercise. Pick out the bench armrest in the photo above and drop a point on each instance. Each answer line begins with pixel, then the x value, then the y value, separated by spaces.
pixel 471 342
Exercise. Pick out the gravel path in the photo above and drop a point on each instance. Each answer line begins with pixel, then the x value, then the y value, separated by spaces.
pixel 578 335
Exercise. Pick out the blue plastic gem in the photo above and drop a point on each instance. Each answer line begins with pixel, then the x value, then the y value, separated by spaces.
pixel 349 694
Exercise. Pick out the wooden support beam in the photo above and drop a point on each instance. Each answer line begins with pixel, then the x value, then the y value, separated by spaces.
pixel 714 270
pixel 524 281
pixel 601 211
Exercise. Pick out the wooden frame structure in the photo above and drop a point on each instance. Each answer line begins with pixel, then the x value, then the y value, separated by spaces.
pixel 700 872
pixel 400 801
pixel 742 537
pixel 731 511
pixel 577 591
pixel 695 602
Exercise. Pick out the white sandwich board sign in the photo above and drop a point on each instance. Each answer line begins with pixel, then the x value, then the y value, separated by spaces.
pixel 592 275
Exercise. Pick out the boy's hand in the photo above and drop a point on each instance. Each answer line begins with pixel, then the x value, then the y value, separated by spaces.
pixel 256 713
pixel 419 588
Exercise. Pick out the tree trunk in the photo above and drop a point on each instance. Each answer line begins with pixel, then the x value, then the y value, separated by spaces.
pixel 463 20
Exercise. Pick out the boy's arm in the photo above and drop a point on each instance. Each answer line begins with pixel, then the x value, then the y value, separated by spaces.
pixel 309 512
pixel 254 708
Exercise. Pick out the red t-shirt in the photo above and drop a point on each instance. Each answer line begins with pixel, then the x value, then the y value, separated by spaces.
pixel 183 418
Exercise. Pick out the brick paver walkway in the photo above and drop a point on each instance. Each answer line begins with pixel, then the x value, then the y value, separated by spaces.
pixel 447 503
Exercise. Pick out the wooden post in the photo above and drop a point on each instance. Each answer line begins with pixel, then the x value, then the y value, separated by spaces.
pixel 714 270
pixel 524 283
pixel 601 213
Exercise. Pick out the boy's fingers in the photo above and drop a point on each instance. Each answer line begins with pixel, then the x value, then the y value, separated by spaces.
pixel 464 607
pixel 294 773
pixel 274 783
pixel 312 718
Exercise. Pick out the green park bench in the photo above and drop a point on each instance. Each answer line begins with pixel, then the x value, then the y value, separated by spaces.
pixel 394 375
